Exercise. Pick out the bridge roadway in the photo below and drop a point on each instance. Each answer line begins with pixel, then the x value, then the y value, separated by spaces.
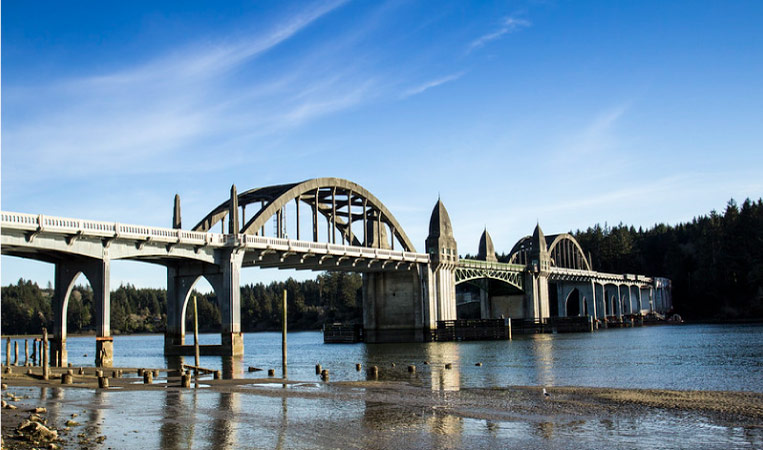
pixel 47 238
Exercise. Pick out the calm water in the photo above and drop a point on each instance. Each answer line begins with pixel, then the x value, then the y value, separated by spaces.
pixel 697 357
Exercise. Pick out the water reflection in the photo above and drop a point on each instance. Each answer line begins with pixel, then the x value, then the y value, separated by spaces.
pixel 542 349
pixel 284 423
pixel 223 426
pixel 178 424
pixel 438 355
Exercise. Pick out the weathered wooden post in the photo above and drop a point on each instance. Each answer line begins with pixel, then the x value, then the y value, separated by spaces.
pixel 15 353
pixel 185 380
pixel 358 367
pixel 26 352
pixel 283 336
pixel 373 372
pixel 45 366
pixel 34 351
pixel 103 382
pixel 148 377
pixel 195 333
pixel 317 369
pixel 325 375
pixel 8 352
pixel 67 378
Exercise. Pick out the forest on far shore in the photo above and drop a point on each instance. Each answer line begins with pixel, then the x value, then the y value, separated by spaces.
pixel 715 263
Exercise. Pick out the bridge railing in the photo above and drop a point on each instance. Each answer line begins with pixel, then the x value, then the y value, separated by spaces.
pixel 65 225
pixel 477 264
pixel 324 248
pixel 70 226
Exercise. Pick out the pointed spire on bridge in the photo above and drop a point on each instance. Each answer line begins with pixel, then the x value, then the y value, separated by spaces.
pixel 486 250
pixel 440 244
pixel 233 225
pixel 539 252
pixel 176 222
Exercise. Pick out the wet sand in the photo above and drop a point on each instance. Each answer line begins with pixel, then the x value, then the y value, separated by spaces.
pixel 420 416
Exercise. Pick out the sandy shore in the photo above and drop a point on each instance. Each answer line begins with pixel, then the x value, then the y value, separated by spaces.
pixel 497 404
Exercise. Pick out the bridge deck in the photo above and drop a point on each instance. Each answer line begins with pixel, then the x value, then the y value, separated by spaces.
pixel 20 232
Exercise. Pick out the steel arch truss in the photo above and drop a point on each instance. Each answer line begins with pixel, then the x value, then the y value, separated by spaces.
pixel 466 273
pixel 346 206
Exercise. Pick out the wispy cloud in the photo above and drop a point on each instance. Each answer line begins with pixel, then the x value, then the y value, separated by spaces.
pixel 431 84
pixel 509 25
pixel 595 139
pixel 174 107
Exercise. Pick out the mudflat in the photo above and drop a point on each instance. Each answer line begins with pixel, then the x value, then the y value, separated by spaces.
pixel 418 415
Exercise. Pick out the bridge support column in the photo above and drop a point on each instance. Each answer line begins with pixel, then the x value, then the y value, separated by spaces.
pixel 101 282
pixel 485 312
pixel 98 273
pixel 228 289
pixel 393 307
pixel 180 281
pixel 537 302
pixel 66 273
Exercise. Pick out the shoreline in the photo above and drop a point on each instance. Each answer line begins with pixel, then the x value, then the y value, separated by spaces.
pixel 709 321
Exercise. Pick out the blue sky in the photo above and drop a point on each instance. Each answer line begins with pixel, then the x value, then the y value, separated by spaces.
pixel 566 113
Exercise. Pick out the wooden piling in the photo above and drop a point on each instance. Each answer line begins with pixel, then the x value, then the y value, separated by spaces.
pixel 271 372
pixel 448 366
pixel 185 380
pixel 15 353
pixel 148 377
pixel 45 366
pixel 373 372
pixel 358 367
pixel 195 333
pixel 317 369
pixel 103 382
pixel 26 352
pixel 283 335
pixel 325 375
pixel 8 352
pixel 412 369
pixel 66 378
pixel 217 375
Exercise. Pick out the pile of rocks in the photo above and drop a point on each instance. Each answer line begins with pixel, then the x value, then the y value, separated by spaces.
pixel 35 430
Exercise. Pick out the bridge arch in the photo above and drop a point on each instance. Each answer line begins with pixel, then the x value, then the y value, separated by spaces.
pixel 186 301
pixel 341 202
pixel 520 253
pixel 565 251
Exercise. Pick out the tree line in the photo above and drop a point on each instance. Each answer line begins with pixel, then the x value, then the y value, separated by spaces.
pixel 332 296
pixel 715 261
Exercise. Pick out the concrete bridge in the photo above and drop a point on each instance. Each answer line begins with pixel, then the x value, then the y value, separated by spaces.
pixel 405 293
